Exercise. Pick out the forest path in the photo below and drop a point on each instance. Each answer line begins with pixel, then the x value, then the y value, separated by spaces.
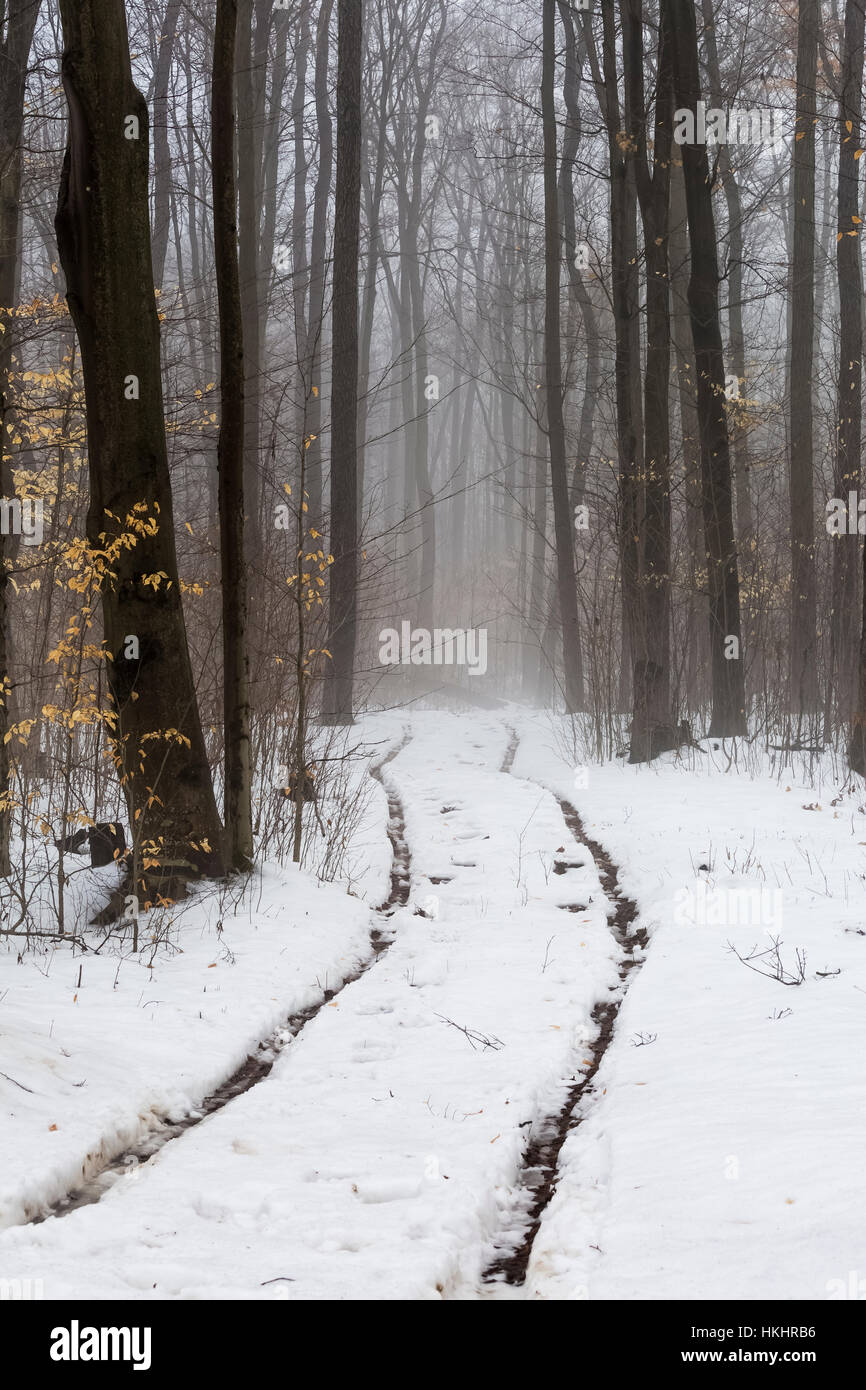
pixel 384 1151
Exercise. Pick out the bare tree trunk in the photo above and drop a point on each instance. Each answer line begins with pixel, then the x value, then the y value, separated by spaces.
pixel 344 369
pixel 729 701
pixel 562 520
pixel 626 315
pixel 463 479
pixel 103 235
pixel 251 54
pixel 194 203
pixel 238 812
pixel 804 616
pixel 579 293
pixel 534 674
pixel 849 408
pixel 161 149
pixel 14 52
pixel 300 266
pixel 318 265
pixel 422 444
pixel 736 337
pixel 652 725
pixel 697 649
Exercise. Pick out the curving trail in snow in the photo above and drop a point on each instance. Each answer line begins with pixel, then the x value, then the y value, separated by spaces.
pixel 378 1157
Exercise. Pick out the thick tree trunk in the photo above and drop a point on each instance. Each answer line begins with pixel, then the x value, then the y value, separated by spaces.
pixel 653 729
pixel 344 369
pixel 851 347
pixel 562 518
pixel 14 52
pixel 849 407
pixel 804 616
pixel 103 235
pixel 729 701
pixel 696 641
pixel 238 813
pixel 626 317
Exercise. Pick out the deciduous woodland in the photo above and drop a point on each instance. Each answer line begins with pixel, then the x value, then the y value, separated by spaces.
pixel 431 443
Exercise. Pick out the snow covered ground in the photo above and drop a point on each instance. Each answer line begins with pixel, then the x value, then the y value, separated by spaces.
pixel 97 1048
pixel 724 1159
pixel 380 1159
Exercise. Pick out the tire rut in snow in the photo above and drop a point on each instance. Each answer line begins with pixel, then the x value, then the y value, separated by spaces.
pixel 539 1169
pixel 510 752
pixel 258 1064
pixel 400 860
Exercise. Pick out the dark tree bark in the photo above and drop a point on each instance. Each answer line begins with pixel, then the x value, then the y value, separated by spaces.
pixel 729 701
pixel 230 449
pixel 849 406
pixel 626 316
pixel 697 656
pixel 103 236
pixel 804 603
pixel 319 268
pixel 652 729
pixel 373 188
pixel 848 470
pixel 251 56
pixel 300 267
pixel 736 335
pixel 416 82
pixel 562 518
pixel 185 133
pixel 14 52
pixel 161 149
pixel 344 369
pixel 423 483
